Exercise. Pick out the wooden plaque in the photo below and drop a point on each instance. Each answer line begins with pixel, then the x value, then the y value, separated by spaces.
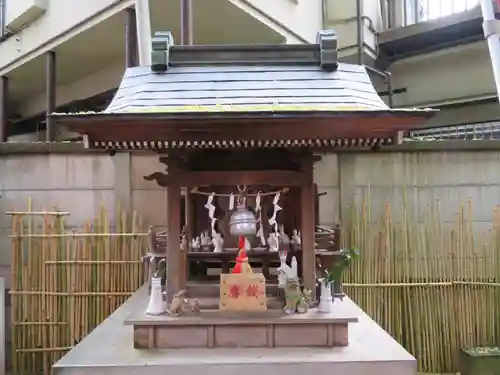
pixel 243 292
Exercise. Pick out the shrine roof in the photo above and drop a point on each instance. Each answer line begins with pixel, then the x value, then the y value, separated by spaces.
pixel 213 89
pixel 210 85
pixel 246 89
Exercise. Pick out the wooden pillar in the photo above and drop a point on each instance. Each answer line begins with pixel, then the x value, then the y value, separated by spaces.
pixel 186 22
pixel 308 228
pixel 4 94
pixel 131 46
pixel 188 215
pixel 316 205
pixel 173 241
pixel 50 89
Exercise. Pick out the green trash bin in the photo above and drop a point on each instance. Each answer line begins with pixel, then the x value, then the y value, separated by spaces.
pixel 483 360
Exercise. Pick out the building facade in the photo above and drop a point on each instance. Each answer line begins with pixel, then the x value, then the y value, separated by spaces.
pixel 55 53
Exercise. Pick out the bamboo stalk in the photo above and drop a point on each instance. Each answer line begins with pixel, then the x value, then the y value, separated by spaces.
pixel 38 323
pixel 69 294
pixel 36 213
pixel 38 350
pixel 69 235
pixel 422 284
pixel 91 262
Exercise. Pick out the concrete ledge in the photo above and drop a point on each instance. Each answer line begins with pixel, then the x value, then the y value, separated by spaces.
pixel 109 350
pixel 9 148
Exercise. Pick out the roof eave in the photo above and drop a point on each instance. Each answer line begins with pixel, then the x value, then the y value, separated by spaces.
pixel 65 119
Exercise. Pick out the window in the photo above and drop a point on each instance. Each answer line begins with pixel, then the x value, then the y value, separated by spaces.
pixel 425 10
pixel 400 13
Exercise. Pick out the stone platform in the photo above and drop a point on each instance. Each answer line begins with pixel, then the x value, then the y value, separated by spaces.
pixel 108 350
pixel 219 329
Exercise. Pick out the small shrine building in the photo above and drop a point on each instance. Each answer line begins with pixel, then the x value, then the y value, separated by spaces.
pixel 254 116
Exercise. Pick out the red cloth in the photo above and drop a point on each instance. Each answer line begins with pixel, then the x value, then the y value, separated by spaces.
pixel 241 239
pixel 242 255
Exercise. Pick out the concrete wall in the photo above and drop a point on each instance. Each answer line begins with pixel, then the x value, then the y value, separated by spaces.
pixel 450 177
pixel 81 183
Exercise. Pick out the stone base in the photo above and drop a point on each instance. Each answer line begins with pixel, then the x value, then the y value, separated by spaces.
pixel 216 329
pixel 108 350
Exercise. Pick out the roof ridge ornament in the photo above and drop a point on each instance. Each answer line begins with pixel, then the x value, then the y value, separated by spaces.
pixel 328 50
pixel 161 43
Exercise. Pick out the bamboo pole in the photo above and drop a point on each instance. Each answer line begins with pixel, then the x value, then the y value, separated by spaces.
pixel 74 235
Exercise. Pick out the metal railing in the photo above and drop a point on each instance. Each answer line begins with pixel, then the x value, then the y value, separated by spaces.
pixel 402 13
pixel 478 131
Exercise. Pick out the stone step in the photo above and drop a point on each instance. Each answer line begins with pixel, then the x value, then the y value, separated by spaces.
pixel 212 303
pixel 212 290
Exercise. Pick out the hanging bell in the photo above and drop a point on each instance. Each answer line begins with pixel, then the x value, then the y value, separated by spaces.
pixel 242 222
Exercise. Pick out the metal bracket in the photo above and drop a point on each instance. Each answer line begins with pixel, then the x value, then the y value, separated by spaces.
pixel 491 27
pixel 328 50
pixel 161 43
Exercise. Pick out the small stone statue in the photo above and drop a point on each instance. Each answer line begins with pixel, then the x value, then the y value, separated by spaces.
pixel 296 238
pixel 218 242
pixel 292 295
pixel 205 239
pixel 273 242
pixel 195 243
pixel 283 237
pixel 184 245
pixel 181 305
pixel 304 301
pixel 285 271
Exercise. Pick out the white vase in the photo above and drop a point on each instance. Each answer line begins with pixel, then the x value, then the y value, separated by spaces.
pixel 326 300
pixel 156 305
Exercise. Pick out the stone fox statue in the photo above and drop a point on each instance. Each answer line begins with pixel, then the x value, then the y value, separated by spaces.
pixel 292 295
pixel 181 305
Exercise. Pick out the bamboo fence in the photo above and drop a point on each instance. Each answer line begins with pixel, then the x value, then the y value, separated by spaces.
pixel 65 283
pixel 434 286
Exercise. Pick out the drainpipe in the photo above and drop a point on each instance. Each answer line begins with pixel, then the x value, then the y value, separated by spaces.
pixel 143 20
pixel 491 28
pixel 360 31
pixel 186 22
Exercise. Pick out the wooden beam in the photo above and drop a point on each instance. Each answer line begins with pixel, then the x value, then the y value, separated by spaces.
pixel 252 177
pixel 50 96
pixel 233 133
pixel 131 45
pixel 4 94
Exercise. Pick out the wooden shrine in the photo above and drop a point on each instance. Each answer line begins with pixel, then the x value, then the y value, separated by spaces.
pixel 242 123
